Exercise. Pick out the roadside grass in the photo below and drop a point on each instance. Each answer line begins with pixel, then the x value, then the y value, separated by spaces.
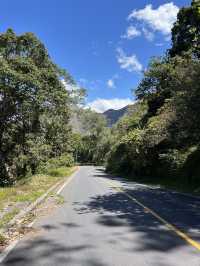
pixel 57 172
pixel 60 199
pixel 8 216
pixel 3 240
pixel 28 190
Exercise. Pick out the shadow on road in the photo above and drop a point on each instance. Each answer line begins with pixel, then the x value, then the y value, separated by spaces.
pixel 114 211
pixel 40 249
pixel 179 210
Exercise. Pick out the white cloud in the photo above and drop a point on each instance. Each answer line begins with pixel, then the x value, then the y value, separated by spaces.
pixel 160 19
pixel 101 105
pixel 67 86
pixel 111 83
pixel 70 87
pixel 130 63
pixel 131 33
pixel 148 34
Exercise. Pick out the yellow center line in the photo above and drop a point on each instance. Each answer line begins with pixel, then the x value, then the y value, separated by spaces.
pixel 171 227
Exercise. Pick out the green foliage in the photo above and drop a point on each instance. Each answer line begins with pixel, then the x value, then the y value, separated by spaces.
pixel 95 141
pixel 65 160
pixel 57 172
pixel 93 123
pixel 186 31
pixel 162 140
pixel 27 191
pixel 127 155
pixel 159 138
pixel 34 107
pixel 8 216
pixel 191 168
pixel 3 240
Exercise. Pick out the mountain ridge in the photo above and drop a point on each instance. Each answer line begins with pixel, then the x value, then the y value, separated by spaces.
pixel 113 115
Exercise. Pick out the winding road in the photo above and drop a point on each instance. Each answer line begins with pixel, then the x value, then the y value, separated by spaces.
pixel 107 221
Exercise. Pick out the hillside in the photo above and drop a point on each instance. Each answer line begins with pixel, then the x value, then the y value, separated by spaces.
pixel 112 116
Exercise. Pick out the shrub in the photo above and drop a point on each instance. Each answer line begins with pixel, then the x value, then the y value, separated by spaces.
pixel 65 160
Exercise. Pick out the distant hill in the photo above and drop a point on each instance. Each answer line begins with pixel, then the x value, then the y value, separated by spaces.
pixel 112 116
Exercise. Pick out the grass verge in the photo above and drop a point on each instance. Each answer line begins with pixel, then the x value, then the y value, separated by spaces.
pixel 8 216
pixel 3 240
pixel 26 191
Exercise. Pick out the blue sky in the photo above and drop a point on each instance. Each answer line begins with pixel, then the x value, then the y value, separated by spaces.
pixel 105 44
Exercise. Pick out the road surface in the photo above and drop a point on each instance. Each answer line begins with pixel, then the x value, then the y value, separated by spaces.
pixel 105 222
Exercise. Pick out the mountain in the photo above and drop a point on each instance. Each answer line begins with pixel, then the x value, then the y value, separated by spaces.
pixel 112 116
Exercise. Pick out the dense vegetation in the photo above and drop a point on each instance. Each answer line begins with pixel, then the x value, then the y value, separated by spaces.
pixel 94 141
pixel 34 108
pixel 161 138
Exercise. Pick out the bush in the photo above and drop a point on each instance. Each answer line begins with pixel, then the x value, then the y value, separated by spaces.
pixel 65 160
pixel 57 172
pixel 191 168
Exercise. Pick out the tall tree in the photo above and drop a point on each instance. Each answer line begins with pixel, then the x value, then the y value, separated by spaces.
pixel 186 31
pixel 34 105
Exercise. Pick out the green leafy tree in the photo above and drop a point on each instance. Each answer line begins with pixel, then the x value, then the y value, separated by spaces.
pixel 186 31
pixel 163 142
pixel 34 105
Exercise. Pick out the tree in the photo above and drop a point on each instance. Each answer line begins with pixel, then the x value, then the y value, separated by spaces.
pixel 34 105
pixel 96 137
pixel 186 31
pixel 164 141
pixel 155 88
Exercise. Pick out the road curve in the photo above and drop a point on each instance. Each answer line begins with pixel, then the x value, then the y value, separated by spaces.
pixel 99 225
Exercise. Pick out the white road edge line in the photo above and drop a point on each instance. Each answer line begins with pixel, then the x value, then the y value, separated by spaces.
pixel 66 183
pixel 9 248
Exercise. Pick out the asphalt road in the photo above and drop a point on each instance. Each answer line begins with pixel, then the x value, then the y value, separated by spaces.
pixel 100 225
